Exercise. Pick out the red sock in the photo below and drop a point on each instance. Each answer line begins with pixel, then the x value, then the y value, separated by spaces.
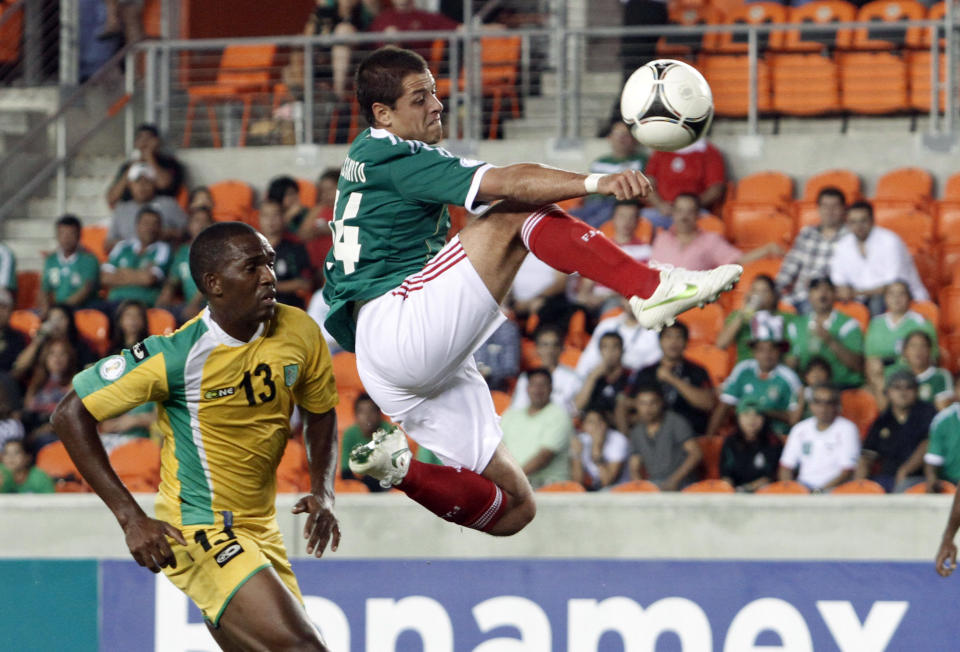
pixel 455 495
pixel 570 245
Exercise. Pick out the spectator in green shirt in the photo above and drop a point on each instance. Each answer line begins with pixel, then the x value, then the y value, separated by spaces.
pixel 942 459
pixel 179 294
pixel 71 274
pixel 17 473
pixel 935 383
pixel 760 305
pixel 138 266
pixel 367 420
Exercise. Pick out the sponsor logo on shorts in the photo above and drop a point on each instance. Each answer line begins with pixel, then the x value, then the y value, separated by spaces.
pixel 139 351
pixel 212 394
pixel 228 553
pixel 112 368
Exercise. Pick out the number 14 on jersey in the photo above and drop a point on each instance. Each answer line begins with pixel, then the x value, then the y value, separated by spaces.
pixel 346 239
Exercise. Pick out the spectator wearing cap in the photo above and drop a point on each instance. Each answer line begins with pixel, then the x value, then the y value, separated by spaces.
pixel 147 149
pixel 143 192
pixel 893 451
pixel 827 333
pixel 748 459
pixel 870 257
pixel 935 384
pixel 812 250
pixel 661 443
pixel 774 385
pixel 685 245
pixel 12 342
pixel 138 266
pixel 942 459
pixel 71 274
pixel 824 449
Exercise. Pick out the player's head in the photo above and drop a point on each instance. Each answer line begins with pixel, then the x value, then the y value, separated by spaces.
pixel 396 92
pixel 232 265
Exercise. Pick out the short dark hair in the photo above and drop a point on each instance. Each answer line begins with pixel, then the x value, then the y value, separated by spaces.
pixel 150 127
pixel 818 361
pixel 549 328
pixel 206 251
pixel 380 77
pixel 828 387
pixel 329 173
pixel 821 280
pixel 831 191
pixel 862 205
pixel 70 219
pixel 900 281
pixel 918 333
pixel 691 196
pixel 649 388
pixel 677 326
pixel 149 209
pixel 363 396
pixel 540 371
pixel 614 335
pixel 279 186
pixel 771 283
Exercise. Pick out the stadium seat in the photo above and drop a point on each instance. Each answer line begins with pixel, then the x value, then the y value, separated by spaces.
pixel 94 327
pixel 138 464
pixel 929 310
pixel 570 356
pixel 353 123
pixel 344 408
pixel 715 360
pixel 345 371
pixel 846 180
pixel 858 487
pixel 501 400
pixel 635 486
pixel 755 13
pixel 711 223
pixel 308 192
pixel 684 46
pixel 819 12
pixel 25 321
pixel 904 188
pixel 762 190
pixel 243 72
pixel 783 487
pixel 950 308
pixel 950 343
pixel 946 487
pixel 885 33
pixel 921 82
pixel 704 323
pixel 160 321
pixel 232 201
pixel 349 486
pixel 873 82
pixel 951 189
pixel 928 267
pixel 577 335
pixel 915 228
pixel 710 447
pixel 948 221
pixel 729 78
pixel 28 285
pixel 712 486
pixel 859 406
pixel 805 84
pixel 293 472
pixel 948 259
pixel 750 230
pixel 93 237
pixel 856 310
pixel 643 232
pixel 564 486
pixel 54 460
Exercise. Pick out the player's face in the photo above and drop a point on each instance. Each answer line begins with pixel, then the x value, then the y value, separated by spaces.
pixel 247 281
pixel 896 298
pixel 417 112
pixel 68 238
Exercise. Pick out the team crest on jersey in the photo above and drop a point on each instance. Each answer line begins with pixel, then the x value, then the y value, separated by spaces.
pixel 290 373
pixel 112 368
pixel 139 352
pixel 212 394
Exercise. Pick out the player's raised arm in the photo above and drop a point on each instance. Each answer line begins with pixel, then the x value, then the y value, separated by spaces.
pixel 320 437
pixel 536 184
pixel 146 537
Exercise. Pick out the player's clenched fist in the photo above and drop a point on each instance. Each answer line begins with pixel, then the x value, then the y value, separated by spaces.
pixel 629 184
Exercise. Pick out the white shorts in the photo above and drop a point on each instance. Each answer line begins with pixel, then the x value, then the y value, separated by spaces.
pixel 415 348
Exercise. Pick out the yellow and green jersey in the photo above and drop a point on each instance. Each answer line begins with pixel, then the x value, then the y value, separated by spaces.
pixel 223 406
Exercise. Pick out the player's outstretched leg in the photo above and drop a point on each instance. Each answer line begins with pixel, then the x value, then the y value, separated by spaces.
pixel 456 495
pixel 656 296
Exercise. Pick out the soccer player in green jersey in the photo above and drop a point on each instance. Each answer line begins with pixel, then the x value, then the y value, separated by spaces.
pixel 415 310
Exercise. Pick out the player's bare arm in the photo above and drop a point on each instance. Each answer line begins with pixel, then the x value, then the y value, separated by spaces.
pixel 320 437
pixel 146 537
pixel 536 184
pixel 947 553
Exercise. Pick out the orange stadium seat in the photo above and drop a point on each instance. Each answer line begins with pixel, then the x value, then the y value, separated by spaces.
pixel 951 189
pixel 54 460
pixel 946 487
pixel 859 406
pixel 873 82
pixel 713 486
pixel 577 335
pixel 25 321
pixel 783 487
pixel 28 286
pixel 770 189
pixel 710 447
pixel 715 360
pixel 293 473
pixel 950 343
pixel 308 192
pixel 856 310
pixel 635 486
pixel 728 76
pixel 704 323
pixel 94 327
pixel 570 356
pixel 904 188
pixel 948 259
pixel 805 84
pixel 501 400
pixel 232 201
pixel 345 371
pixel 859 487
pixel 921 82
pixel 766 266
pixel 711 223
pixel 950 308
pixel 885 33
pixel 138 464
pixel 564 486
pixel 948 221
pixel 160 321
pixel 93 237
pixel 755 13
pixel 929 310
pixel 846 180
pixel 11 28
pixel 915 228
pixel 751 230
pixel 643 232
pixel 334 129
pixel 684 46
pixel 819 12
pixel 243 72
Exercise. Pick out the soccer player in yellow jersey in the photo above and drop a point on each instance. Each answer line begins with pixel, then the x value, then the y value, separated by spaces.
pixel 226 383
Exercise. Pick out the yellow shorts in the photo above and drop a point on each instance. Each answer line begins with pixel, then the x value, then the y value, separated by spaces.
pixel 217 562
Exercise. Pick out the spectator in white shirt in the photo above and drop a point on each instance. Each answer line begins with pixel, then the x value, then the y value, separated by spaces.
pixel 825 447
pixel 870 257
pixel 641 347
pixel 598 453
pixel 566 382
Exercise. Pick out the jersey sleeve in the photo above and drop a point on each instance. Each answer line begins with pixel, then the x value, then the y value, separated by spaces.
pixel 118 383
pixel 940 432
pixel 732 390
pixel 316 389
pixel 434 175
pixel 851 336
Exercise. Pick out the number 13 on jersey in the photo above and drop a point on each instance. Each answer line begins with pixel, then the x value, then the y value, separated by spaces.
pixel 346 239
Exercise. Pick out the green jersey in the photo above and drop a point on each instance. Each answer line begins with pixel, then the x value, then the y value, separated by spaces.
pixel 390 219
pixel 130 254
pixel 8 268
pixel 64 275
pixel 37 482
pixel 180 271
pixel 944 447
pixel 776 391
pixel 745 334
pixel 805 344
pixel 885 338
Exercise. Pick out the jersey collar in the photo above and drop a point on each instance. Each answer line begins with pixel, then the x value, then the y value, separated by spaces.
pixel 221 336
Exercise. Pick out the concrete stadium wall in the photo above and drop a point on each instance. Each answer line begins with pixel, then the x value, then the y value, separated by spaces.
pixel 599 526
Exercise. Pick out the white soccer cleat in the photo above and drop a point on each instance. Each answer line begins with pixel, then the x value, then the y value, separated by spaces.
pixel 681 289
pixel 385 457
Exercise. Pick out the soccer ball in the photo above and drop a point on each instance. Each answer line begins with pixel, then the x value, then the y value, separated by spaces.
pixel 667 103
